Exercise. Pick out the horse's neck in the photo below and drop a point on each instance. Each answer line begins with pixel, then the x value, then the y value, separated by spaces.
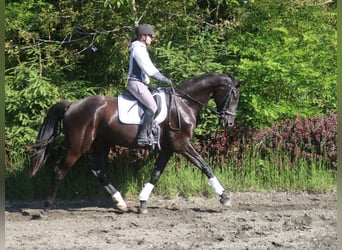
pixel 201 91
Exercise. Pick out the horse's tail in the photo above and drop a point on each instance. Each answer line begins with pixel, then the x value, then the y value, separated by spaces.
pixel 47 133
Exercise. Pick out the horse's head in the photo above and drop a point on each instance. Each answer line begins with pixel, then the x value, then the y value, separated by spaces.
pixel 227 100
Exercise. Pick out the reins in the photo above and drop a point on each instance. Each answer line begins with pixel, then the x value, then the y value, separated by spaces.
pixel 191 98
pixel 172 95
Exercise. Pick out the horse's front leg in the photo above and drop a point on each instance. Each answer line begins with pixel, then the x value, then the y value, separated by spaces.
pixel 191 154
pixel 161 162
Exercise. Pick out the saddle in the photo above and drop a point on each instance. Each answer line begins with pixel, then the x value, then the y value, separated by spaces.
pixel 131 111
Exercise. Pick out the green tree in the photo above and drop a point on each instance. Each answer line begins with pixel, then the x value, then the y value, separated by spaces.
pixel 285 50
pixel 287 53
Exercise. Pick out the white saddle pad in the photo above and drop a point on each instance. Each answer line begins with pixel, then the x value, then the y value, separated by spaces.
pixel 129 109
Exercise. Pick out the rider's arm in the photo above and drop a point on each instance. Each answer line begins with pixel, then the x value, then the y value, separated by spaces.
pixel 142 57
pixel 160 77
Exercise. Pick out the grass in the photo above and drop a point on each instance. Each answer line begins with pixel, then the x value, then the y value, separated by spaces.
pixel 253 173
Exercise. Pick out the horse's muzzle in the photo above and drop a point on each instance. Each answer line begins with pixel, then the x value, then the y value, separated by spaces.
pixel 227 121
pixel 227 118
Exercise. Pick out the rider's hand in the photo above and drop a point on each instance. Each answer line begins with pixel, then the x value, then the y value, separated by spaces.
pixel 168 81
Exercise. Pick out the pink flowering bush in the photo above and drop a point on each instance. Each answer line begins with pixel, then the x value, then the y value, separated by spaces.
pixel 310 139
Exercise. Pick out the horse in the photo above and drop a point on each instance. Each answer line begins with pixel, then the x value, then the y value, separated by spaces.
pixel 92 125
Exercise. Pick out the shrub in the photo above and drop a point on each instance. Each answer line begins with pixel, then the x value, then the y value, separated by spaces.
pixel 312 139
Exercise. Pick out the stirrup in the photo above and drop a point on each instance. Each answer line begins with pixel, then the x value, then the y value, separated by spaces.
pixel 143 142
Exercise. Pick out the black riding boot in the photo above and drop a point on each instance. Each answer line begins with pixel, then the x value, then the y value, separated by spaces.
pixel 143 136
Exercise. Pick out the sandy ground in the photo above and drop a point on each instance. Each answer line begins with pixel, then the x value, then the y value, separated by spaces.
pixel 255 221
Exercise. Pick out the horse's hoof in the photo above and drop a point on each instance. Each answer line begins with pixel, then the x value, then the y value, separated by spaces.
pixel 43 214
pixel 119 202
pixel 122 207
pixel 142 210
pixel 143 207
pixel 225 201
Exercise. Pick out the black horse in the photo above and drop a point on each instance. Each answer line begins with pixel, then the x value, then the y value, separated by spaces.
pixel 92 125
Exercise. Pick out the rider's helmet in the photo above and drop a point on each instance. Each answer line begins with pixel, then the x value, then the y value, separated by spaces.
pixel 144 29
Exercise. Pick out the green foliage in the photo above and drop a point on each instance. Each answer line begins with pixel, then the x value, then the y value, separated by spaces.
pixel 275 46
pixel 285 50
pixel 289 61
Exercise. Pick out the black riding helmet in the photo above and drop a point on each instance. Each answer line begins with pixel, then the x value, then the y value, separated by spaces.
pixel 144 29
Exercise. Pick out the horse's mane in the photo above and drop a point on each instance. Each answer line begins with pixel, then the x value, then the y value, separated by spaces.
pixel 199 79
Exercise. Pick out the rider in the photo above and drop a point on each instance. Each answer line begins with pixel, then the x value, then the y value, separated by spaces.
pixel 140 69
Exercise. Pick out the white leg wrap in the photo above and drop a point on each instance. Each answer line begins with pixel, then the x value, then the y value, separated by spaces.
pixel 120 203
pixel 216 186
pixel 145 192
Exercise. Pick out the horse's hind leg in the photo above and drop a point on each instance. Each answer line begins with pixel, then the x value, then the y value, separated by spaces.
pixel 59 173
pixel 99 169
pixel 161 162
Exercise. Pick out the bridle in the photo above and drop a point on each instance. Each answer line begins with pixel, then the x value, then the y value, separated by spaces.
pixel 227 99
pixel 220 114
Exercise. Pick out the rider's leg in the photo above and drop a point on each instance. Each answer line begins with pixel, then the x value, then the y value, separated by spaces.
pixel 143 136
pixel 144 96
